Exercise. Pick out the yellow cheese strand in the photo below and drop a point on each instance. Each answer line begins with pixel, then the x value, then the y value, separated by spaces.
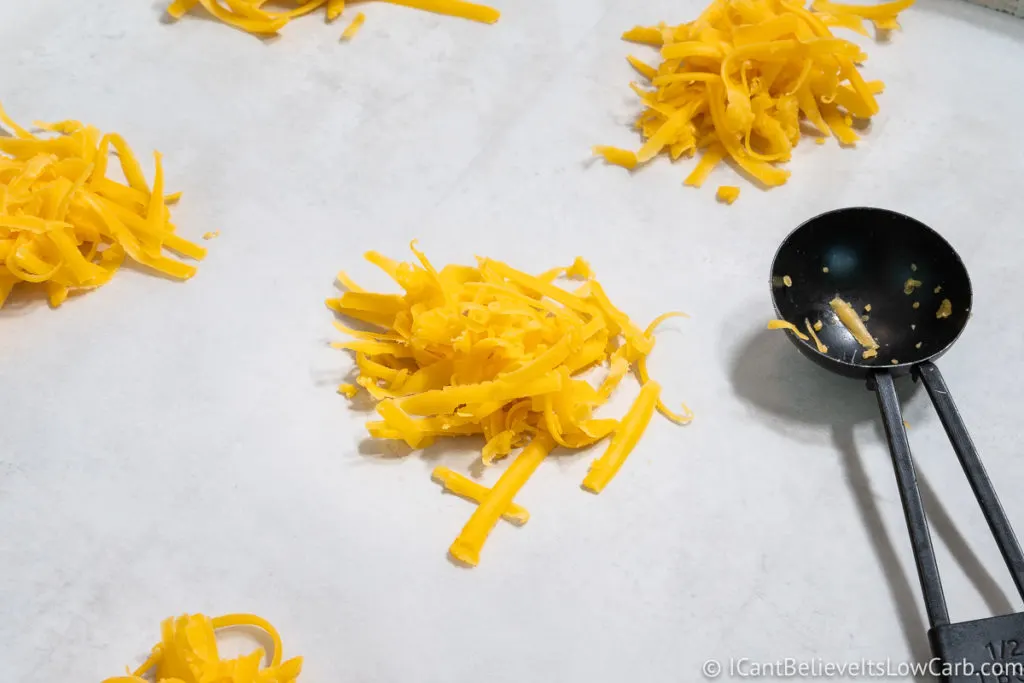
pixel 886 24
pixel 679 418
pixel 491 350
pixel 65 225
pixel 8 122
pixel 454 8
pixel 624 440
pixel 644 69
pixel 712 156
pixel 786 325
pixel 879 11
pixel 847 21
pixel 727 193
pixel 249 16
pixel 334 9
pixel 852 322
pixel 737 81
pixel 470 541
pixel 455 483
pixel 814 335
pixel 353 28
pixel 619 157
pixel 188 653
pixel 645 35
pixel 306 8
pixel 180 8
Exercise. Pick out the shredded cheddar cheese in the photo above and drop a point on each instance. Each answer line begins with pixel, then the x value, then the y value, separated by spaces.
pixel 817 342
pixel 728 193
pixel 470 541
pixel 493 351
pixel 249 15
pixel 786 325
pixel 848 317
pixel 455 483
pixel 187 653
pixel 817 326
pixel 66 224
pixel 614 155
pixel 738 81
pixel 870 353
pixel 353 28
pixel 624 439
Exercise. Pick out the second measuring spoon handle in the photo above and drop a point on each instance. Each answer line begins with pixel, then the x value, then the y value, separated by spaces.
pixel 913 509
pixel 985 493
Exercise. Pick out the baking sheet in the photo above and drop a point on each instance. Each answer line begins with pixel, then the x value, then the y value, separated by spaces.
pixel 179 447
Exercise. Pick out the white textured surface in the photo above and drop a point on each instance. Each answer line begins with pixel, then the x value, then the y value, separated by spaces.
pixel 179 447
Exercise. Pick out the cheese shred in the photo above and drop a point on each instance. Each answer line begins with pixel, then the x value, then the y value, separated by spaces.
pixel 67 225
pixel 786 325
pixel 728 193
pixel 249 15
pixel 742 80
pixel 353 28
pixel 458 485
pixel 852 322
pixel 470 541
pixel 817 342
pixel 626 437
pixel 493 351
pixel 187 653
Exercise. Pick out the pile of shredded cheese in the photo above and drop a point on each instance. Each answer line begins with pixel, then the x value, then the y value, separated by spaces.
pixel 66 224
pixel 739 81
pixel 187 653
pixel 249 15
pixel 494 351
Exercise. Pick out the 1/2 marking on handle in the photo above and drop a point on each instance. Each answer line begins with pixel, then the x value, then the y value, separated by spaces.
pixel 1006 649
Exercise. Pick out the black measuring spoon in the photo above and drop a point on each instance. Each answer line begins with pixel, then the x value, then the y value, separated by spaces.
pixel 874 258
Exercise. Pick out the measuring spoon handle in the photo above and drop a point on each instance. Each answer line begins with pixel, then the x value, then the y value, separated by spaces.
pixel 913 508
pixel 985 493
